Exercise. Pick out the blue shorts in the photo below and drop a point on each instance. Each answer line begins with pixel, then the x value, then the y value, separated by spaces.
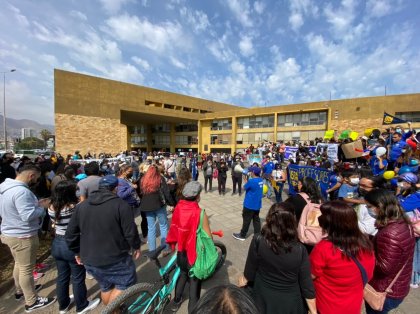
pixel 120 275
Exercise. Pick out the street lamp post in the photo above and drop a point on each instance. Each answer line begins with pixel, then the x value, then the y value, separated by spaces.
pixel 4 106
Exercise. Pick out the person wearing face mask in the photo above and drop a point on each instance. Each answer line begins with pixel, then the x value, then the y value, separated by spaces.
pixel 394 248
pixel 22 215
pixel 348 191
pixel 409 197
pixel 7 171
pixel 366 220
pixel 127 190
pixel 396 149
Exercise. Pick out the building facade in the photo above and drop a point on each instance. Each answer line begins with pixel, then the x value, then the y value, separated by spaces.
pixel 100 115
pixel 26 132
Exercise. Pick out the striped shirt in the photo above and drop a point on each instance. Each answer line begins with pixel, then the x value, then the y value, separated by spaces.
pixel 60 225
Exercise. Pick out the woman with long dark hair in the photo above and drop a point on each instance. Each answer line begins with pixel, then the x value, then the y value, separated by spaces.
pixel 308 191
pixel 394 248
pixel 337 278
pixel 278 266
pixel 155 196
pixel 61 209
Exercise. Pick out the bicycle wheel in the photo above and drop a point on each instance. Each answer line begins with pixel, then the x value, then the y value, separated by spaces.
pixel 221 250
pixel 134 300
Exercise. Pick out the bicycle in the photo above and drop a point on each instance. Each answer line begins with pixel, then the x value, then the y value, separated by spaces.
pixel 148 298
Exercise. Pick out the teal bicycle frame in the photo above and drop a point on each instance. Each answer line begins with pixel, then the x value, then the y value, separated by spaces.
pixel 165 290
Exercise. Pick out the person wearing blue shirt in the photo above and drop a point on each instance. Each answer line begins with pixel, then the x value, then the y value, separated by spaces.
pixel 396 149
pixel 379 165
pixel 349 189
pixel 252 204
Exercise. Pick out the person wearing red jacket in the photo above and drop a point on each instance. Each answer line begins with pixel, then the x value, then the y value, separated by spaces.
pixel 394 248
pixel 182 234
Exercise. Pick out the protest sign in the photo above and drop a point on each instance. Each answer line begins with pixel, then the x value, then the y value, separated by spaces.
pixel 254 158
pixel 353 149
pixel 330 149
pixel 320 175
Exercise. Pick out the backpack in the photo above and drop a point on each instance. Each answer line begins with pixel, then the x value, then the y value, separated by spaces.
pixel 207 255
pixel 309 231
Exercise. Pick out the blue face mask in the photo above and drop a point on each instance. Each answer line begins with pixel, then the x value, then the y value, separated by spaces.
pixel 372 213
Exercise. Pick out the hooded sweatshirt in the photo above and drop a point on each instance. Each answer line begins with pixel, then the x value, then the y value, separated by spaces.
pixel 19 210
pixel 102 229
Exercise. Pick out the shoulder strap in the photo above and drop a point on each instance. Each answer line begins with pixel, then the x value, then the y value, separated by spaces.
pixel 305 197
pixel 388 289
pixel 362 270
pixel 200 225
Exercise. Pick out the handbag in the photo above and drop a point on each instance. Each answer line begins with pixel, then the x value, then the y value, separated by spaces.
pixel 207 256
pixel 372 297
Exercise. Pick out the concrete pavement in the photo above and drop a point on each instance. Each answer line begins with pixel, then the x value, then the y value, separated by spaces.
pixel 225 214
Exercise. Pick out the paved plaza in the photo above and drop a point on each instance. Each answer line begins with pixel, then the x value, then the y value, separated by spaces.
pixel 225 214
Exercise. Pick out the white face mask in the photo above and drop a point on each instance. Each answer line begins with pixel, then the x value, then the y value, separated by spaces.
pixel 401 184
pixel 354 181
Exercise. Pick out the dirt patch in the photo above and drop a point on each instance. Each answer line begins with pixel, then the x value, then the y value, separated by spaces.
pixel 7 263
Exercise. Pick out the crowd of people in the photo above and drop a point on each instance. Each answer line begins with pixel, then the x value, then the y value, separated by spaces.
pixel 365 228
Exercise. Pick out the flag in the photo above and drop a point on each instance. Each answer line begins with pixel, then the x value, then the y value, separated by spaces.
pixel 389 119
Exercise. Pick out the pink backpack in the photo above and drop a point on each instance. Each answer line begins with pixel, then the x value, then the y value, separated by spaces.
pixel 309 231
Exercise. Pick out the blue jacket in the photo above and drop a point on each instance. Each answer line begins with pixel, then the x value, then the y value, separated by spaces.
pixel 254 193
pixel 411 202
pixel 396 150
pixel 126 192
pixel 19 210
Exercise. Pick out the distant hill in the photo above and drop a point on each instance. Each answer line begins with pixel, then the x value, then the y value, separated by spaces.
pixel 14 126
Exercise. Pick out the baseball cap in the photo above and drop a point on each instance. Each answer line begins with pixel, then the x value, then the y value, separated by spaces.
pixel 192 189
pixel 108 181
pixel 255 170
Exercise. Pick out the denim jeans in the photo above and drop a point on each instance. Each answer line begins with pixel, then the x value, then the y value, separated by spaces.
pixel 389 305
pixel 279 192
pixel 161 215
pixel 67 269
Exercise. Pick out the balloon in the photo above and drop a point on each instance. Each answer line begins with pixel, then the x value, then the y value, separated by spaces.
pixel 265 189
pixel 414 162
pixel 404 169
pixel 388 175
pixel 380 151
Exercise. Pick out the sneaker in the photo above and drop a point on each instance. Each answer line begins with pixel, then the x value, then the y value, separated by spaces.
pixel 41 267
pixel 40 303
pixel 64 311
pixel 89 276
pixel 19 295
pixel 238 236
pixel 414 285
pixel 174 307
pixel 92 305
pixel 37 275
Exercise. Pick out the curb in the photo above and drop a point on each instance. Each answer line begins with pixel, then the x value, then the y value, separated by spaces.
pixel 8 284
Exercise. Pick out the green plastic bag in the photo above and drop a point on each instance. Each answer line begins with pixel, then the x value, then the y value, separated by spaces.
pixel 207 255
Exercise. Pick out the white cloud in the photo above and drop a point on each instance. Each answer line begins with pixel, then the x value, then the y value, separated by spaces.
pixel 259 7
pixel 160 38
pixel 286 77
pixel 241 11
pixel 141 62
pixel 379 8
pixel 21 19
pixel 341 18
pixel 113 6
pixel 172 4
pixel 298 10
pixel 245 46
pixel 78 15
pixel 177 63
pixel 198 20
pixel 220 49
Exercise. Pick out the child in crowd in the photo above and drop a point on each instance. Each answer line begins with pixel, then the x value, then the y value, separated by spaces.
pixel 349 188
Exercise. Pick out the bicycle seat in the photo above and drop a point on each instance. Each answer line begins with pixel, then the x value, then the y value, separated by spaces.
pixel 154 255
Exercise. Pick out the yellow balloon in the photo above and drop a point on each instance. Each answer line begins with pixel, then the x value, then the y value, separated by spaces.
pixel 388 175
pixel 265 189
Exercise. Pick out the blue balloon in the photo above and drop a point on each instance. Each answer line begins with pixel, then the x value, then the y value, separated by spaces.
pixel 394 182
pixel 404 169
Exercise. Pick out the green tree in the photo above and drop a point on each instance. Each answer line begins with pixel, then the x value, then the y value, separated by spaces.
pixel 30 143
pixel 45 135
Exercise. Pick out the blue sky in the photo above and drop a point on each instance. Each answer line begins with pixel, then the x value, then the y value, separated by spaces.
pixel 243 52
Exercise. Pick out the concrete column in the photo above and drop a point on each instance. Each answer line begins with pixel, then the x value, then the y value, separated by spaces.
pixel 233 138
pixel 172 138
pixel 149 137
pixel 275 127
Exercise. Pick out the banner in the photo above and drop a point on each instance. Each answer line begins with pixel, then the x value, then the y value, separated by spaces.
pixel 127 160
pixel 320 175
pixel 254 158
pixel 390 119
pixel 330 149
pixel 291 151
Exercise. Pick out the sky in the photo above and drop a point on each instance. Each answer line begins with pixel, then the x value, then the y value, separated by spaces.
pixel 241 52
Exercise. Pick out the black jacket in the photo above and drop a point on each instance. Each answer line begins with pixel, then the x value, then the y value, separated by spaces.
pixel 102 229
pixel 153 201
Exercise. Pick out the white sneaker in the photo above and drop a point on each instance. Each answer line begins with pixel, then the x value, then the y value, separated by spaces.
pixel 89 276
pixel 414 285
pixel 68 306
pixel 92 305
